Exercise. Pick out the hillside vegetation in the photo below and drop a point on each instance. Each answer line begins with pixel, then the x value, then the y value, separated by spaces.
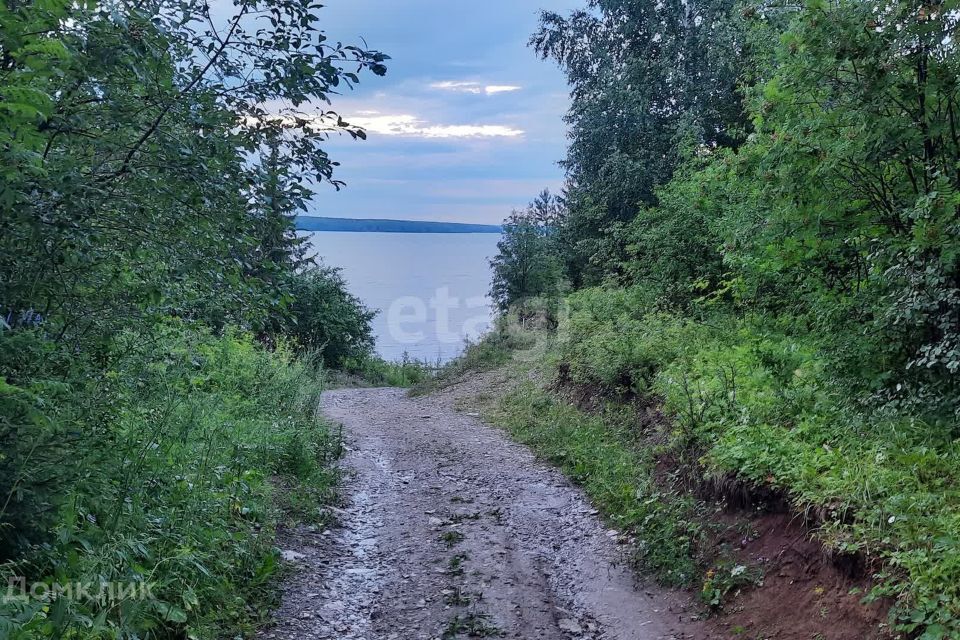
pixel 759 237
pixel 163 341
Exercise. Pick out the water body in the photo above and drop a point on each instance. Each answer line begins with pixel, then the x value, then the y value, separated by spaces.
pixel 431 288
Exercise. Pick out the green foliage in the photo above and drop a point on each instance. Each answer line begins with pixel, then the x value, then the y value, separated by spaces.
pixel 674 248
pixel 326 319
pixel 751 400
pixel 769 196
pixel 528 263
pixel 143 175
pixel 152 156
pixel 720 581
pixel 838 210
pixel 406 372
pixel 493 350
pixel 155 474
pixel 643 77
pixel 846 194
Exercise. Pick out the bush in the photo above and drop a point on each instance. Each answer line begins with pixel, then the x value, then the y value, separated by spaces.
pixel 327 319
pixel 155 475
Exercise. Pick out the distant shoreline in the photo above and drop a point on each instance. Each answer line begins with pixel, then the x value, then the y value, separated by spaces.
pixel 375 225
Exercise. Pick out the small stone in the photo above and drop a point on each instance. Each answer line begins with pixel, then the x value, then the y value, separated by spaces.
pixel 566 624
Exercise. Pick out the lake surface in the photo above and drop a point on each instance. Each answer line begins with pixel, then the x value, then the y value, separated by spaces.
pixel 431 288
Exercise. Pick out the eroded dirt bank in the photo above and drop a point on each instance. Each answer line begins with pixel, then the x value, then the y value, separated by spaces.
pixel 451 530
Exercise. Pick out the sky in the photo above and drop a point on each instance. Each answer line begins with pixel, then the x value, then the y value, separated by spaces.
pixel 467 124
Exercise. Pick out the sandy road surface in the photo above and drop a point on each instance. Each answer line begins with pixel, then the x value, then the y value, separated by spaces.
pixel 452 530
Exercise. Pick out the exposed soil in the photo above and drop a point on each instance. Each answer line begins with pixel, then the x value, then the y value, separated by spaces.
pixel 452 530
pixel 805 593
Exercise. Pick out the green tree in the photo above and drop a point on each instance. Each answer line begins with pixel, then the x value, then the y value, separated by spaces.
pixel 327 319
pixel 527 264
pixel 675 248
pixel 642 76
pixel 147 181
pixel 133 128
pixel 848 192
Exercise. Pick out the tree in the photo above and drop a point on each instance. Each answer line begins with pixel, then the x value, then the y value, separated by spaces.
pixel 136 129
pixel 147 179
pixel 848 194
pixel 642 76
pixel 527 264
pixel 327 319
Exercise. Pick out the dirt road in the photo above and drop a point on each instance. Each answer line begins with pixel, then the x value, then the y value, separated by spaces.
pixel 452 530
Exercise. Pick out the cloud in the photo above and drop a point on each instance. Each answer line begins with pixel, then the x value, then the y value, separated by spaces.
pixel 474 87
pixel 459 87
pixel 411 126
pixel 500 88
pixel 404 125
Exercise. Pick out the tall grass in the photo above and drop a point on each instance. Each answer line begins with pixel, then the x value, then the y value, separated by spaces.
pixel 378 372
pixel 154 485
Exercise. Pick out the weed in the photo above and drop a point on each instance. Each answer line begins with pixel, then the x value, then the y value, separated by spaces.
pixel 455 566
pixel 372 370
pixel 451 538
pixel 495 349
pixel 722 580
pixel 473 625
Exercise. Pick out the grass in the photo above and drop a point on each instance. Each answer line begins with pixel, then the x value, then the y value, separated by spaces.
pixel 451 538
pixel 455 566
pixel 472 625
pixel 599 452
pixel 494 350
pixel 207 444
pixel 377 372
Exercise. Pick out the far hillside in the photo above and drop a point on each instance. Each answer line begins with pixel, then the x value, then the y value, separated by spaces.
pixel 308 223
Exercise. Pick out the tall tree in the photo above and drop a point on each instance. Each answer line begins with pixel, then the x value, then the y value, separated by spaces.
pixel 848 195
pixel 642 76
pixel 528 264
pixel 132 127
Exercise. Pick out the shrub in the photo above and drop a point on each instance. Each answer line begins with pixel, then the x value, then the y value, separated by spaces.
pixel 156 473
pixel 764 405
pixel 326 318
